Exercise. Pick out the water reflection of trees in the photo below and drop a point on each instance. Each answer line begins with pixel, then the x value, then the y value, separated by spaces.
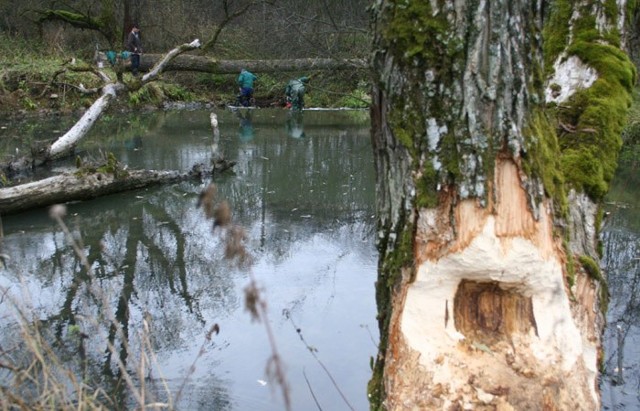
pixel 622 263
pixel 154 258
pixel 144 264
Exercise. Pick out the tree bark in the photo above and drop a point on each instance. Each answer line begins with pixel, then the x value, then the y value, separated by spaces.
pixel 489 293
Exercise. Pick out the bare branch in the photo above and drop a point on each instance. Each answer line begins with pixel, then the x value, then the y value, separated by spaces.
pixel 157 69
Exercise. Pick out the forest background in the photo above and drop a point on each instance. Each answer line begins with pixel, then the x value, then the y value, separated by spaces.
pixel 38 38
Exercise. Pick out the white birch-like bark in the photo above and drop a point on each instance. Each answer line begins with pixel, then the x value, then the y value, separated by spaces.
pixel 65 144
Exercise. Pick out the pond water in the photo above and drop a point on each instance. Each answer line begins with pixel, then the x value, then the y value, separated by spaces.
pixel 620 383
pixel 302 189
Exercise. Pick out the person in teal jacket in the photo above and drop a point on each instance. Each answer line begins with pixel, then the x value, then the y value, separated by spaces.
pixel 294 93
pixel 245 83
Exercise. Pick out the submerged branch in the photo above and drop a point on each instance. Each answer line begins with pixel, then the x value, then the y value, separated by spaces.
pixel 78 186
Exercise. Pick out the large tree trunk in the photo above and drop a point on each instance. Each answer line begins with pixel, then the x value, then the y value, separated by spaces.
pixel 495 129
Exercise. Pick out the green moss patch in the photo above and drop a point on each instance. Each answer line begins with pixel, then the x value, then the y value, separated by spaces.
pixel 593 270
pixel 592 120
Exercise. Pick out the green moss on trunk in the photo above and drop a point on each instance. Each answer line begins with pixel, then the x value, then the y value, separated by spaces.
pixel 398 258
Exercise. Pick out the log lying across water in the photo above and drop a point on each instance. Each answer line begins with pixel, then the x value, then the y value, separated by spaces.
pixel 76 186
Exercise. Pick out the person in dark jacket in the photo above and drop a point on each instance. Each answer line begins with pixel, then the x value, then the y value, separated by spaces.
pixel 294 93
pixel 134 46
pixel 245 83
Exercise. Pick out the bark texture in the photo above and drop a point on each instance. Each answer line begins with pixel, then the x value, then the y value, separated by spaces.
pixel 486 234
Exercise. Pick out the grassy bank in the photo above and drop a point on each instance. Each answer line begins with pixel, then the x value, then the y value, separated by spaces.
pixel 33 81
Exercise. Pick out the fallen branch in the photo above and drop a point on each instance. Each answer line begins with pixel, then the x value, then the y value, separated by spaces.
pixel 77 186
pixel 65 145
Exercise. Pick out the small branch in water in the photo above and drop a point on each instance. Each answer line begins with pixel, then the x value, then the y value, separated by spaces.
pixel 313 351
pixel 313 395
pixel 214 329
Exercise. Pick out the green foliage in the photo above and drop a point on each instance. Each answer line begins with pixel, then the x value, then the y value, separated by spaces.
pixel 415 32
pixel 358 98
pixel 29 104
pixel 108 165
pixel 213 80
pixel 176 92
pixel 150 93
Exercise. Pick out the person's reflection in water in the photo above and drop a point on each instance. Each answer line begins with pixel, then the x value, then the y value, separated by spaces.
pixel 245 132
pixel 294 125
pixel 134 143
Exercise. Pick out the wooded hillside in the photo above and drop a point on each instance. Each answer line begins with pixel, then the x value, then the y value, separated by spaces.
pixel 38 38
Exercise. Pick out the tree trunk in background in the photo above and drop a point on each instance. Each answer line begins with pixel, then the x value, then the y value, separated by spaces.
pixel 211 65
pixel 495 126
pixel 127 21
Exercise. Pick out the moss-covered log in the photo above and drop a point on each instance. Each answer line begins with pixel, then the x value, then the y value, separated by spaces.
pixel 210 65
pixel 104 23
pixel 496 129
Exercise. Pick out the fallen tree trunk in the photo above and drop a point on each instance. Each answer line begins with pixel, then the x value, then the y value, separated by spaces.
pixel 76 186
pixel 65 145
pixel 91 181
pixel 210 65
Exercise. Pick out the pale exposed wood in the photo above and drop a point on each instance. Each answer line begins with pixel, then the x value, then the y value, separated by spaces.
pixel 475 303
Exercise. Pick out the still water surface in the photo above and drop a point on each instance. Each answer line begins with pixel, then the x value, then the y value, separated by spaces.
pixel 303 189
pixel 621 261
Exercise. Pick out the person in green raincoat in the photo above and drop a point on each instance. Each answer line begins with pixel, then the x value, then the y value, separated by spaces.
pixel 245 83
pixel 294 93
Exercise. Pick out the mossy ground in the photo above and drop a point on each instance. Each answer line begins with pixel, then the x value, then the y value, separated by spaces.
pixel 28 84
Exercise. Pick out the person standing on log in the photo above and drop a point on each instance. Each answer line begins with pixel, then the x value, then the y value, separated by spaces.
pixel 134 46
pixel 245 83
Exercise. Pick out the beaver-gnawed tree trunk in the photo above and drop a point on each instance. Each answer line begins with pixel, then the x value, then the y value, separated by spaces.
pixel 496 128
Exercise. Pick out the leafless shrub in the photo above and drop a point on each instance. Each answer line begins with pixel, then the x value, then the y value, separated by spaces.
pixel 254 302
